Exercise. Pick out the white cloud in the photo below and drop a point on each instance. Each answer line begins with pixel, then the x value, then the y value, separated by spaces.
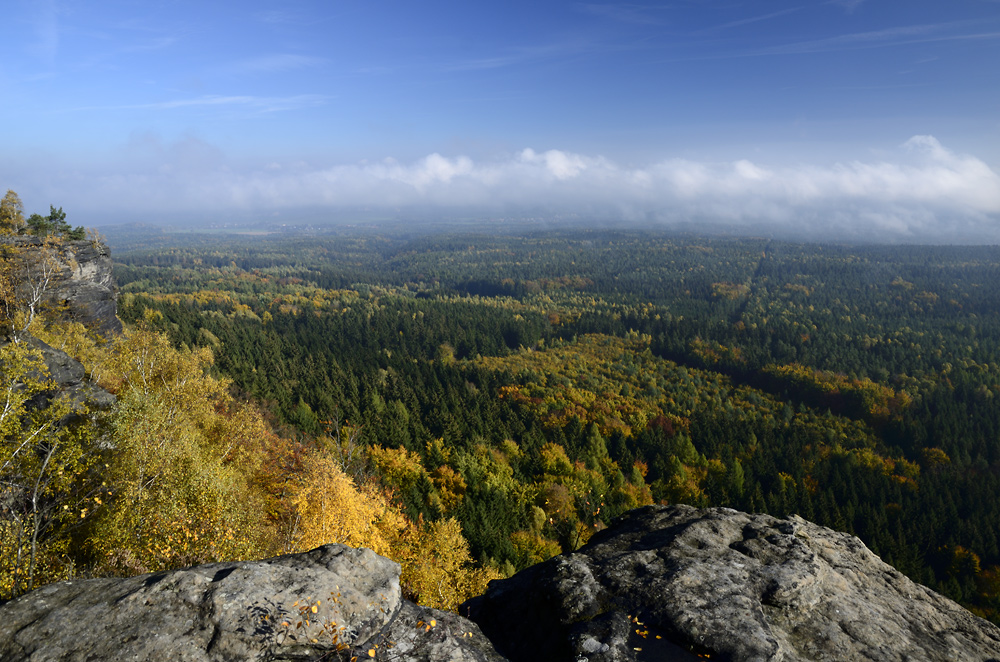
pixel 926 192
pixel 560 165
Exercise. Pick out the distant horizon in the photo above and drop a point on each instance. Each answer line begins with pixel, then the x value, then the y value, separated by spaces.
pixel 845 117
pixel 471 226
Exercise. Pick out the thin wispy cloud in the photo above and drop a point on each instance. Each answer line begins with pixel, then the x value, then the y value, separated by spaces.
pixel 849 5
pixel 112 46
pixel 520 56
pixel 556 50
pixel 260 104
pixel 46 44
pixel 625 13
pixel 285 18
pixel 896 36
pixel 269 64
pixel 754 19
pixel 892 37
pixel 277 16
pixel 147 45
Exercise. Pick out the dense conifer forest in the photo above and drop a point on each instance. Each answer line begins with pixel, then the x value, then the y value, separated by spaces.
pixel 532 386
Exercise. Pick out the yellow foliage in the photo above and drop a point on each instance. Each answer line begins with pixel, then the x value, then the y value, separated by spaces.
pixel 331 508
pixel 934 457
pixel 74 339
pixel 878 401
pixel 555 461
pixel 963 562
pixel 450 486
pixel 184 473
pixel 43 465
pixel 532 548
pixel 400 469
pixel 177 500
pixel 437 569
pixel 11 213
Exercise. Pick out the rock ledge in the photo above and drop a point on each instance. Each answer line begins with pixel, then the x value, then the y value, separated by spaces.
pixel 664 580
pixel 333 603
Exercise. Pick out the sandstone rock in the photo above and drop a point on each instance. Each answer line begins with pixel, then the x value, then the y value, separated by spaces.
pixel 728 585
pixel 83 282
pixel 69 377
pixel 240 611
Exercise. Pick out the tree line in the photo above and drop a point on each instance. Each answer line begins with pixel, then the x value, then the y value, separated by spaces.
pixel 12 220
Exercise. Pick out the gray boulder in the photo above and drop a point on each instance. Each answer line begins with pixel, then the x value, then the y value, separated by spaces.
pixel 333 603
pixel 668 582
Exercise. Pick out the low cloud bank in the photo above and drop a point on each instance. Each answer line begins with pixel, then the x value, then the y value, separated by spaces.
pixel 924 193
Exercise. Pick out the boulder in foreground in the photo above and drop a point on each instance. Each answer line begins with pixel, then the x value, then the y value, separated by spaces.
pixel 333 603
pixel 665 582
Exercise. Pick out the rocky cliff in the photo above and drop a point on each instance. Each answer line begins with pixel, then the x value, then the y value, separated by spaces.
pixel 81 288
pixel 662 583
pixel 81 283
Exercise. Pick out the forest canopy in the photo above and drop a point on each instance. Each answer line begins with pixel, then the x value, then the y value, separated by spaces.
pixel 532 386
pixel 472 404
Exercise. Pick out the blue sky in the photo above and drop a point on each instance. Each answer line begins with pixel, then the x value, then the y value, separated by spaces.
pixel 867 115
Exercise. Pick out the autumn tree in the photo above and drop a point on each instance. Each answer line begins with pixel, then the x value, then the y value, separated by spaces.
pixel 45 447
pixel 25 279
pixel 437 569
pixel 11 214
pixel 45 456
pixel 184 463
pixel 332 508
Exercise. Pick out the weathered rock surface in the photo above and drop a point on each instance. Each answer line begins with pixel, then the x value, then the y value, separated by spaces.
pixel 82 281
pixel 240 611
pixel 730 585
pixel 69 377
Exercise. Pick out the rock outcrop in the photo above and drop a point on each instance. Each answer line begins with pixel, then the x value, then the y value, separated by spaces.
pixel 82 281
pixel 87 286
pixel 333 603
pixel 75 278
pixel 664 580
pixel 69 377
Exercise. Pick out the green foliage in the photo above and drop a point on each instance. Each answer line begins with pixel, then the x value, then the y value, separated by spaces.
pixel 53 225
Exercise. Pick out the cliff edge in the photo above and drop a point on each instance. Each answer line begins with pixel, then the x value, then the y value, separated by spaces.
pixel 81 282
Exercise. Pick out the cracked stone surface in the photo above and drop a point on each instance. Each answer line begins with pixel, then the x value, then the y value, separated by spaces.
pixel 240 611
pixel 665 581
